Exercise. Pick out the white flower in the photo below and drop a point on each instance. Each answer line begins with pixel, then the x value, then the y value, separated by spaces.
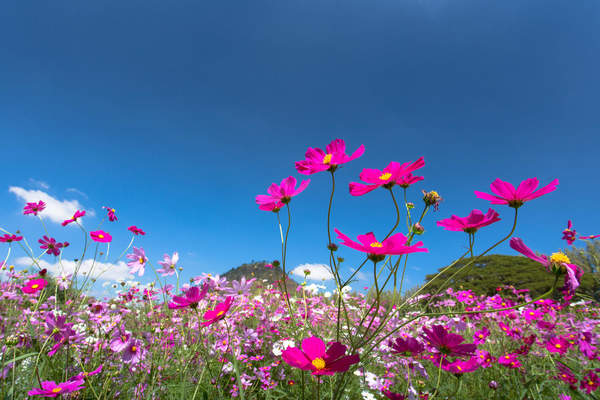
pixel 281 345
pixel 367 395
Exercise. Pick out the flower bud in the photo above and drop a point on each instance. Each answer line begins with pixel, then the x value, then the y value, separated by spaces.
pixel 417 229
pixel 43 272
pixel 410 205
pixel 432 198
pixel 332 246
pixel 276 263
pixel 493 385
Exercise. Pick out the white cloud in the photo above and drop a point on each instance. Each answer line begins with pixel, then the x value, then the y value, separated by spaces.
pixel 359 275
pixel 56 210
pixel 318 272
pixel 314 288
pixel 101 271
pixel 77 191
pixel 37 183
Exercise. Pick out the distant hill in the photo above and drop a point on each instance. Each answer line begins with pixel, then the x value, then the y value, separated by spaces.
pixel 257 269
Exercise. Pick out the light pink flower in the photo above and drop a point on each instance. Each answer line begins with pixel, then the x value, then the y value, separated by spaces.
pixel 169 264
pixel 137 261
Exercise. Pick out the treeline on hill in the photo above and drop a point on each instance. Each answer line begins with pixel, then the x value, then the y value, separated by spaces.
pixel 490 272
pixel 257 269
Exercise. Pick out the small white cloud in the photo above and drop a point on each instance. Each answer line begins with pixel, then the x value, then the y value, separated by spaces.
pixel 318 272
pixel 77 191
pixel 40 184
pixel 56 210
pixel 101 271
pixel 314 288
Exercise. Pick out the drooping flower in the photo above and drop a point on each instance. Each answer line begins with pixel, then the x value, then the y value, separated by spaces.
pixel 505 193
pixel 569 234
pixel 471 223
pixel 212 316
pixel 10 238
pixel 591 237
pixel 51 245
pixel 316 358
pixel 34 285
pixel 34 208
pixel 334 155
pixel 101 236
pixel 137 261
pixel 407 180
pixel 78 214
pixel 447 344
pixel 386 178
pixel 135 230
pixel 192 297
pixel 394 245
pixel 110 213
pixel 279 195
pixel 53 389
pixel 169 264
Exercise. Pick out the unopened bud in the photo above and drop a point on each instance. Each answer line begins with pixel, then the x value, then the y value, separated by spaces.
pixel 332 246
pixel 276 263
pixel 418 229
pixel 410 205
pixel 493 385
pixel 43 272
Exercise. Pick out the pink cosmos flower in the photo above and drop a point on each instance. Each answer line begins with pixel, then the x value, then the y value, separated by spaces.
pixel 505 192
pixel 51 245
pixel 169 264
pixel 407 180
pixel 314 357
pixel 78 214
pixel 406 347
pixel 590 382
pixel 569 234
pixel 589 237
pixel 447 344
pixel 471 223
pixel 212 316
pixel 334 155
pixel 133 352
pixel 480 335
pixel 135 230
pixel 34 208
pixel 137 261
pixel 460 367
pixel 10 238
pixel 111 213
pixel 53 389
pixel 510 360
pixel 192 297
pixel 83 375
pixel 395 244
pixel 557 345
pixel 101 236
pixel 280 194
pixel 387 178
pixel 34 285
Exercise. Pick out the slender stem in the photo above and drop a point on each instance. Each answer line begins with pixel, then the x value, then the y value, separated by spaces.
pixel 397 214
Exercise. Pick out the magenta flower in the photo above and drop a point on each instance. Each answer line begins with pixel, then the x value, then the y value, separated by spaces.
pixel 557 345
pixel 83 375
pixel 471 223
pixel 387 178
pixel 51 245
pixel 334 155
pixel 589 237
pixel 78 214
pixel 447 344
pixel 192 297
pixel 53 389
pixel 406 347
pixel 34 285
pixel 137 261
pixel 133 352
pixel 510 360
pixel 101 236
pixel 590 382
pixel 135 230
pixel 505 192
pixel 395 244
pixel 111 213
pixel 212 316
pixel 34 208
pixel 314 357
pixel 10 238
pixel 280 194
pixel 169 264
pixel 480 335
pixel 461 367
pixel 569 234
pixel 406 180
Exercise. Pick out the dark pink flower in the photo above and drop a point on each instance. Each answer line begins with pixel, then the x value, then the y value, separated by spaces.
pixel 111 213
pixel 101 236
pixel 569 234
pixel 135 230
pixel 406 347
pixel 34 285
pixel 334 155
pixel 34 208
pixel 590 382
pixel 316 358
pixel 505 192
pixel 510 360
pixel 447 344
pixel 53 389
pixel 10 238
pixel 471 223
pixel 83 375
pixel 280 194
pixel 51 245
pixel 589 237
pixel 387 177
pixel 407 180
pixel 480 335
pixel 459 366
pixel 557 345
pixel 395 244
pixel 212 316
pixel 78 214
pixel 192 297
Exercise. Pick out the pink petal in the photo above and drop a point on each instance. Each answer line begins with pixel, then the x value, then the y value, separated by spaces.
pixel 503 189
pixel 358 189
pixel 336 146
pixel 546 189
pixel 526 188
pixel 313 347
pixel 370 175
pixel 296 358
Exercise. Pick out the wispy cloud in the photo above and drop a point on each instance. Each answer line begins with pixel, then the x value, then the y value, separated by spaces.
pixel 56 210
pixel 77 191
pixel 40 184
pixel 101 271
pixel 318 272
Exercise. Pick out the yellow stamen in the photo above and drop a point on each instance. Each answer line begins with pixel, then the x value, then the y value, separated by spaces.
pixel 35 286
pixel 318 363
pixel 133 348
pixel 557 345
pixel 141 260
pixel 385 177
pixel 327 158
pixel 220 313
pixel 559 258
pixel 101 236
pixel 376 244
pixel 56 390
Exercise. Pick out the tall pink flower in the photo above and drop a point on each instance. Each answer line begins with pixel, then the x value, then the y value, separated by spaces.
pixel 78 214
pixel 505 193
pixel 334 155
pixel 212 316
pixel 316 358
pixel 407 180
pixel 591 237
pixel 169 264
pixel 34 285
pixel 569 234
pixel 34 208
pixel 394 245
pixel 387 177
pixel 110 213
pixel 137 261
pixel 135 230
pixel 53 389
pixel 280 194
pixel 471 223
pixel 192 297
pixel 51 245
pixel 10 238
pixel 101 236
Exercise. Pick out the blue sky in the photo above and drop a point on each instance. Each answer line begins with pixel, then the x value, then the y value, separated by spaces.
pixel 178 114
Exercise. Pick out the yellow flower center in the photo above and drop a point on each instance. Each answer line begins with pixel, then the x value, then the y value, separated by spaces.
pixel 101 236
pixel 434 193
pixel 318 363
pixel 559 258
pixel 172 266
pixel 385 177
pixel 35 286
pixel 56 390
pixel 558 346
pixel 141 260
pixel 376 244
pixel 133 348
pixel 327 158
pixel 112 209
pixel 220 313
pixel 459 368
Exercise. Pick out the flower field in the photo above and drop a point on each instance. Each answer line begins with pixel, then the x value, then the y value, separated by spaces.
pixel 253 339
